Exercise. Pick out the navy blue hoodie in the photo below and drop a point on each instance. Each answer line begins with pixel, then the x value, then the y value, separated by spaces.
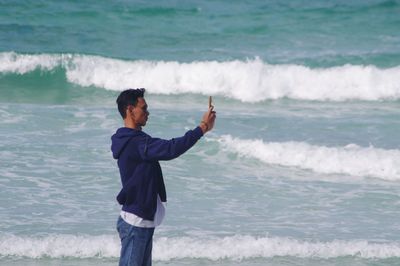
pixel 141 176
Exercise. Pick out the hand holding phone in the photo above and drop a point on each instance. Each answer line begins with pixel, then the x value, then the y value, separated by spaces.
pixel 207 123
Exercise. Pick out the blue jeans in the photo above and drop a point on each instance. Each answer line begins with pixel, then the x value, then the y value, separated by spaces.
pixel 136 244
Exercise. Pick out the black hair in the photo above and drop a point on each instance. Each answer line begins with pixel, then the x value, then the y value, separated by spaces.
pixel 128 97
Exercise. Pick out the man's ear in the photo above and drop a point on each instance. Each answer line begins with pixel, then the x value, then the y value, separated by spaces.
pixel 129 110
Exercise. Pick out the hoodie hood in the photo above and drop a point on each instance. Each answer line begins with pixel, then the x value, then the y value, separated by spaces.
pixel 121 138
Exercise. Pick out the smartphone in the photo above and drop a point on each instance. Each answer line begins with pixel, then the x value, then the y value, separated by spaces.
pixel 209 102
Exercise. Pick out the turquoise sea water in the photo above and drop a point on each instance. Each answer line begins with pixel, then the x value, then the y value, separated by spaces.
pixel 301 169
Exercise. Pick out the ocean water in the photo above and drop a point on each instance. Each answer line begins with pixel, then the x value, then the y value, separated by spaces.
pixel 302 167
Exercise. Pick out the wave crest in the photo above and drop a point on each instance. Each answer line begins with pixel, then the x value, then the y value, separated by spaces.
pixel 351 159
pixel 248 81
pixel 165 249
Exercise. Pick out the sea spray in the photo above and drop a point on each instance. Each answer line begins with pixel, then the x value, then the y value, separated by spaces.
pixel 351 159
pixel 252 80
pixel 234 247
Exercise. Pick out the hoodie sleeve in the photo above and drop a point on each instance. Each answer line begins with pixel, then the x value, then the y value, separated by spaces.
pixel 155 149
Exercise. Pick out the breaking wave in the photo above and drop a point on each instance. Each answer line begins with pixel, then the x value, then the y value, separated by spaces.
pixel 249 81
pixel 351 159
pixel 233 247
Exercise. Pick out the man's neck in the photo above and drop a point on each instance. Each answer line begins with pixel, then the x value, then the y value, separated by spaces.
pixel 130 124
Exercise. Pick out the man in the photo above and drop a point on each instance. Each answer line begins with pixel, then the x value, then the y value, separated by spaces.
pixel 143 190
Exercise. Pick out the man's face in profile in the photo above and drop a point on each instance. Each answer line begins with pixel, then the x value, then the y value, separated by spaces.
pixel 140 113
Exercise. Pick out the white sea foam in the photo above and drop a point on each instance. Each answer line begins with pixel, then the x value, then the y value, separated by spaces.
pixel 250 80
pixel 165 249
pixel 11 62
pixel 243 247
pixel 57 246
pixel 351 159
